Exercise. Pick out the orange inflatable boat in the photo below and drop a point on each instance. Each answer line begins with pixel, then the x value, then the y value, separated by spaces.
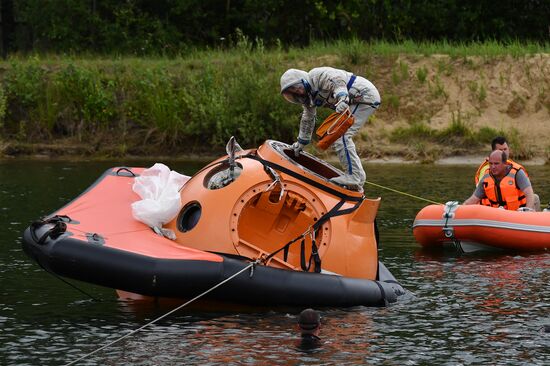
pixel 475 227
pixel 311 242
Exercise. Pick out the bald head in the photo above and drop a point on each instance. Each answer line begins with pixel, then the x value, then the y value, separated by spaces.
pixel 498 154
pixel 497 164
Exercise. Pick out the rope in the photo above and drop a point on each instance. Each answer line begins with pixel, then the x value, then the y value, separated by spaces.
pixel 403 193
pixel 251 265
pixel 67 282
pixel 72 285
pixel 56 220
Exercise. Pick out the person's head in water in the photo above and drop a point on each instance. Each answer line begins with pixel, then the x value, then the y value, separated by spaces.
pixel 309 323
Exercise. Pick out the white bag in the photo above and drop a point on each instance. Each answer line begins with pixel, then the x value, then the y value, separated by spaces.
pixel 159 188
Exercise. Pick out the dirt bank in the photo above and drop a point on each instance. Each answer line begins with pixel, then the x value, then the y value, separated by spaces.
pixel 507 95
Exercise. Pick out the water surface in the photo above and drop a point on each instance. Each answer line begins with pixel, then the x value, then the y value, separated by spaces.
pixel 464 310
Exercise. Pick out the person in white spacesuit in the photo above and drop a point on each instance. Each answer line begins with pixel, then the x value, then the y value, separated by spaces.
pixel 338 90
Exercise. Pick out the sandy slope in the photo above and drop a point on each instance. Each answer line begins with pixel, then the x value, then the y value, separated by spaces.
pixel 510 95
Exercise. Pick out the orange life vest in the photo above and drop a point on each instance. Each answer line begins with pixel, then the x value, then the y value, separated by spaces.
pixel 506 193
pixel 484 169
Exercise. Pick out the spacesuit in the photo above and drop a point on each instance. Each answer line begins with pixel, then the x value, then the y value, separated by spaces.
pixel 338 90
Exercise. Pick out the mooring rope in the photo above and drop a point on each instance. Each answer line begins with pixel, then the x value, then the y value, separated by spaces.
pixel 67 282
pixel 72 285
pixel 403 193
pixel 251 265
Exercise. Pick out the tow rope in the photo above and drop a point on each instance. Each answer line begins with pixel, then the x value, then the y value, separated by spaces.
pixel 403 193
pixel 59 227
pixel 249 266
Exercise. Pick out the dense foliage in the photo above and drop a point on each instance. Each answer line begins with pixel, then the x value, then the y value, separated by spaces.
pixel 140 104
pixel 172 26
pixel 195 102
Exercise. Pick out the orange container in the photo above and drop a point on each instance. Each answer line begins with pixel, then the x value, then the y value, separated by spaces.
pixel 333 127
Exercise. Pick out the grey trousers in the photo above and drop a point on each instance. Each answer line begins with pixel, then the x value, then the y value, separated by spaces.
pixel 345 147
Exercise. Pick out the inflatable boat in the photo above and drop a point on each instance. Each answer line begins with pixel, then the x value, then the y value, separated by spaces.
pixel 296 238
pixel 476 227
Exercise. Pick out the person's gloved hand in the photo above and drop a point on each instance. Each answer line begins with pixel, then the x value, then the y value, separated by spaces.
pixel 342 104
pixel 297 147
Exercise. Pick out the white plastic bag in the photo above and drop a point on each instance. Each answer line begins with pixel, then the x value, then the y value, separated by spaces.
pixel 159 188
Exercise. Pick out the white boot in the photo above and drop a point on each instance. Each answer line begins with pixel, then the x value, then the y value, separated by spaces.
pixel 348 181
pixel 354 176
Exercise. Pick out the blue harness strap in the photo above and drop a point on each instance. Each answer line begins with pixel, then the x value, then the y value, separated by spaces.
pixel 348 158
pixel 351 81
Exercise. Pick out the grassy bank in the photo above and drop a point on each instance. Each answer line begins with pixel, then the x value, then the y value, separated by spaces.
pixel 193 103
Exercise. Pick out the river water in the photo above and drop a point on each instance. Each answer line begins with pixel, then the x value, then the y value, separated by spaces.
pixel 463 309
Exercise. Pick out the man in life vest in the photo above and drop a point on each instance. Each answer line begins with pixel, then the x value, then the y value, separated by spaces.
pixel 500 143
pixel 338 90
pixel 504 185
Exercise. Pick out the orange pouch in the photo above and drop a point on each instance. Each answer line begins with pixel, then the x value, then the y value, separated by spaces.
pixel 333 127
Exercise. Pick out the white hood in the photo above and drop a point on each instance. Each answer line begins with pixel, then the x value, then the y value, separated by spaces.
pixel 293 76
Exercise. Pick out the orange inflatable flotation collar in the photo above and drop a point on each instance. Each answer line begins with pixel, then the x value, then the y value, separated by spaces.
pixel 333 127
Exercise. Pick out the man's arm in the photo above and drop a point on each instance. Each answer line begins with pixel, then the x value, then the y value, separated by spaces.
pixel 473 200
pixel 307 124
pixel 476 197
pixel 530 196
pixel 524 184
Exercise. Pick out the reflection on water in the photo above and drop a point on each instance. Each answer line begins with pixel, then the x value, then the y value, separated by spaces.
pixel 464 310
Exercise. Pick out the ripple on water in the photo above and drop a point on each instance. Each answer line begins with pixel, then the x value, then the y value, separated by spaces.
pixel 462 310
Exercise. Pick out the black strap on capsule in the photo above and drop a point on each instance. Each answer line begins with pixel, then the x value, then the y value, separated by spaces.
pixel 314 256
pixel 384 300
pixel 335 211
pixel 59 227
pixel 329 190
